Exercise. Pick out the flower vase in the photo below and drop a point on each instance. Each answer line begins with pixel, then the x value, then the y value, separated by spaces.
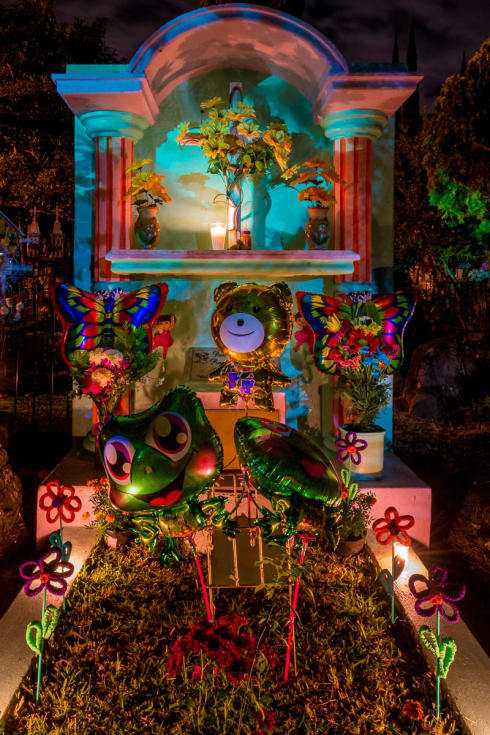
pixel 351 546
pixel 147 228
pixel 372 458
pixel 317 228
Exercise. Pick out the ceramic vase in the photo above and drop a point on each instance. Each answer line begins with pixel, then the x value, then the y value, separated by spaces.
pixel 147 228
pixel 351 547
pixel 317 228
pixel 372 458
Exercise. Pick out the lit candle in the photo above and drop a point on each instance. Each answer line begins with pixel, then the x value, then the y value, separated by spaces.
pixel 218 234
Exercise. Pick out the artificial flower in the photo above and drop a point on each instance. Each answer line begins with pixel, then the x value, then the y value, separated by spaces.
pixel 350 447
pixel 435 594
pixel 49 572
pixel 393 527
pixel 413 709
pixel 59 501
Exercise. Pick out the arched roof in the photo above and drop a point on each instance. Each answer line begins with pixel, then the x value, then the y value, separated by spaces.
pixel 237 35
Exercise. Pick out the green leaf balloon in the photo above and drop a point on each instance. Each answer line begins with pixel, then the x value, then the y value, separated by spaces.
pixel 284 462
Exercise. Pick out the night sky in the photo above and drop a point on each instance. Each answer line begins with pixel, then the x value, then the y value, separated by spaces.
pixel 363 30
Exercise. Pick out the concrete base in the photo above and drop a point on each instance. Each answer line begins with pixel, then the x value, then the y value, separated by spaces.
pixel 468 681
pixel 76 471
pixel 401 488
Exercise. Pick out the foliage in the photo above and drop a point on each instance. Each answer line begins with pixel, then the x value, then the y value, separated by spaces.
pixel 107 517
pixel 442 206
pixel 146 185
pixel 471 533
pixel 460 206
pixel 105 374
pixel 106 670
pixel 36 128
pixel 236 146
pixel 456 137
pixel 317 176
pixel 293 7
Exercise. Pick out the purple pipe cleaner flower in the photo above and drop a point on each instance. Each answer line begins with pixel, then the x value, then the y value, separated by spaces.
pixel 436 593
pixel 352 446
pixel 50 572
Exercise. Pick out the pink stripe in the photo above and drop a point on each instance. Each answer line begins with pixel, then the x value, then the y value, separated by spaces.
pixel 97 207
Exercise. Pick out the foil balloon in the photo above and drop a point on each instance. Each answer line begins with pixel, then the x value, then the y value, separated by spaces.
pixel 251 325
pixel 94 320
pixel 159 461
pixel 332 320
pixel 289 469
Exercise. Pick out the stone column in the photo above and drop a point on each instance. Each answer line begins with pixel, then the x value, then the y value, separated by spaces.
pixel 352 133
pixel 114 134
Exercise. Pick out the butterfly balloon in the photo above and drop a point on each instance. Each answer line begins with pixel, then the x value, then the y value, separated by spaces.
pixel 94 320
pixel 327 316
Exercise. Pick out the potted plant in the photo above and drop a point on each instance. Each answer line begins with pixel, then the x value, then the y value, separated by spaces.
pixel 148 194
pixel 355 518
pixel 317 177
pixel 112 525
pixel 364 342
pixel 236 146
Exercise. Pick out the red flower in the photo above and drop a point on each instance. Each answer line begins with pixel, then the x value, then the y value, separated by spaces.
pixel 59 500
pixel 196 674
pixel 413 709
pixel 393 526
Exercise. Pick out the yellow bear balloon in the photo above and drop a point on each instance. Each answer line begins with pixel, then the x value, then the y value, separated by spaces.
pixel 251 325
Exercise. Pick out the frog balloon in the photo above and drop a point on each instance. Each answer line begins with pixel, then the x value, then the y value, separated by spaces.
pixel 158 462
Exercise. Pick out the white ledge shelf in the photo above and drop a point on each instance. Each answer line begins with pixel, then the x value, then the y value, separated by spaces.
pixel 236 263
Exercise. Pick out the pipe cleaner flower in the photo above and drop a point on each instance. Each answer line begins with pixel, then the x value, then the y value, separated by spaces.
pixel 350 446
pixel 393 526
pixel 50 572
pixel 59 500
pixel 436 593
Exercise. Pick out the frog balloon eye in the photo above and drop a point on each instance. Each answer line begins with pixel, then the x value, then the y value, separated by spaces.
pixel 118 456
pixel 171 435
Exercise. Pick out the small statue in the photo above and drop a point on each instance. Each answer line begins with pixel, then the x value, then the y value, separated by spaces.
pixel 162 333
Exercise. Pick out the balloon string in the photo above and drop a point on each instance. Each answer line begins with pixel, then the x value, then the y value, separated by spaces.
pixel 201 579
pixel 305 542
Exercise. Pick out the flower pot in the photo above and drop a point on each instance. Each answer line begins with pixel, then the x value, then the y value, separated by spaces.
pixel 372 458
pixel 117 539
pixel 351 547
pixel 317 228
pixel 147 227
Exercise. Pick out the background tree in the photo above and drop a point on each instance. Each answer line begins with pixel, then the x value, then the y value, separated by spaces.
pixel 36 127
pixel 442 204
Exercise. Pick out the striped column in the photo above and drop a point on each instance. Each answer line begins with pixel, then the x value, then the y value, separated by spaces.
pixel 353 132
pixel 114 135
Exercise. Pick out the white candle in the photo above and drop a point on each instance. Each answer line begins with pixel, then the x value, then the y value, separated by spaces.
pixel 218 235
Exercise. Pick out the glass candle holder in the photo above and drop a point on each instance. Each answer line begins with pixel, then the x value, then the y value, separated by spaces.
pixel 218 235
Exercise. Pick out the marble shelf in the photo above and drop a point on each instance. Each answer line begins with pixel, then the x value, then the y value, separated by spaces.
pixel 289 264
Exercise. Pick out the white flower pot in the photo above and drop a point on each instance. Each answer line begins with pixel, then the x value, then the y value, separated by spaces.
pixel 372 458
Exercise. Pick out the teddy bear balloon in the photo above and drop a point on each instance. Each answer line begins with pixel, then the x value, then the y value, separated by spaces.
pixel 251 325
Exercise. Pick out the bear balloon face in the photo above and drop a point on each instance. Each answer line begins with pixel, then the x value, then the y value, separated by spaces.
pixel 251 321
pixel 162 457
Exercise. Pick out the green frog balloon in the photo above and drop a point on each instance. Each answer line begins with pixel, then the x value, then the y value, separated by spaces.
pixel 158 462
